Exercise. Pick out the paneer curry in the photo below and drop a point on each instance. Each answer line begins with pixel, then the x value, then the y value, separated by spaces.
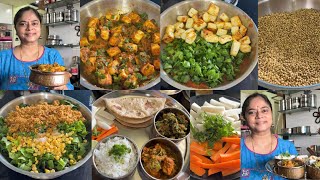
pixel 159 161
pixel 51 68
pixel 120 51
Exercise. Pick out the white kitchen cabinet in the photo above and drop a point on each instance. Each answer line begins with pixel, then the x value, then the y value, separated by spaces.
pixel 6 14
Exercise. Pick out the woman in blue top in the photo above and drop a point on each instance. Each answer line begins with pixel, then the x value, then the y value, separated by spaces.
pixel 261 146
pixel 14 63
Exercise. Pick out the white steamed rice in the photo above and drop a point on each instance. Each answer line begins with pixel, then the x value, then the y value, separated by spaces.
pixel 108 165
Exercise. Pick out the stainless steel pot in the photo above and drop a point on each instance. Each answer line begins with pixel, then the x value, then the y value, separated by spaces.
pixel 48 79
pixel 301 130
pixel 288 104
pixel 295 103
pixel 266 7
pixel 282 105
pixel 169 17
pixel 99 7
pixel 312 100
pixel 304 100
pixel 53 42
pixel 48 97
pixel 286 131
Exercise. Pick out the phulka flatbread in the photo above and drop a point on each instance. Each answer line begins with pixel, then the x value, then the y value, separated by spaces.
pixel 140 125
pixel 135 107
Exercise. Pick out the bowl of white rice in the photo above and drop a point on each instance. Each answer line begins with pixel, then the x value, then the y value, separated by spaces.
pixel 116 157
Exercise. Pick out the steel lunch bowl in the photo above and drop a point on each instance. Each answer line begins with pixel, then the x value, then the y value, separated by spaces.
pixel 266 7
pixel 131 172
pixel 169 17
pixel 175 111
pixel 99 7
pixel 48 97
pixel 172 146
pixel 48 79
pixel 292 172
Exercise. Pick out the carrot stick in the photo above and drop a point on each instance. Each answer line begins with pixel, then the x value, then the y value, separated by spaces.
pixel 113 130
pixel 101 130
pixel 223 165
pixel 203 158
pixel 194 159
pixel 213 171
pixel 200 148
pixel 232 140
pixel 197 170
pixel 233 148
pixel 216 156
pixel 227 172
pixel 231 156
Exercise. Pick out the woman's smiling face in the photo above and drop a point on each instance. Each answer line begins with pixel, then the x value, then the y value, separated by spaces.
pixel 28 27
pixel 259 115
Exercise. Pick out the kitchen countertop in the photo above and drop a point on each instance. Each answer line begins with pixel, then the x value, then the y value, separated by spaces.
pixel 82 173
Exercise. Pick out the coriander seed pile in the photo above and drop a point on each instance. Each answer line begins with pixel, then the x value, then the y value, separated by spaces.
pixel 289 48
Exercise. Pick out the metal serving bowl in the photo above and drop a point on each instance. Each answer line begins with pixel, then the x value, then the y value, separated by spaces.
pixel 292 172
pixel 48 79
pixel 266 7
pixel 313 172
pixel 132 171
pixel 169 17
pixel 169 144
pixel 48 97
pixel 100 7
pixel 175 111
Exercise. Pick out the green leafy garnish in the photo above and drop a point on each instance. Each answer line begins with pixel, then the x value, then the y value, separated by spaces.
pixel 118 151
pixel 215 127
pixel 67 102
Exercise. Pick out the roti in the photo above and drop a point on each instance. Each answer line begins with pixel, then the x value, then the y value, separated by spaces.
pixel 135 107
pixel 140 125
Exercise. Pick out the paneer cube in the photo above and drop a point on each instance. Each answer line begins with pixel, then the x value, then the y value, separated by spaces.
pixel 199 24
pixel 235 21
pixel 178 25
pixel 104 33
pixel 192 12
pixel 245 48
pixel 179 33
pixel 224 17
pixel 116 30
pixel 155 49
pixel 209 36
pixel 213 9
pixel 182 18
pixel 137 36
pixel 243 30
pixel 84 42
pixel 245 40
pixel 224 39
pixel 113 67
pixel 234 30
pixel 213 27
pixel 235 48
pixel 147 69
pixel 92 34
pixel 123 74
pixel 93 22
pixel 184 34
pixel 114 40
pixel 156 38
pixel 130 47
pixel 149 26
pixel 220 25
pixel 212 18
pixel 237 36
pixel 113 16
pixel 135 18
pixel 157 64
pixel 113 51
pixel 206 17
pixel 170 28
pixel 126 19
pixel 169 35
pixel 227 25
pixel 190 37
pixel 189 23
pixel 221 32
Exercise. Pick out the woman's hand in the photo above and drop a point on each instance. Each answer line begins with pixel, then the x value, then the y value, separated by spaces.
pixel 64 87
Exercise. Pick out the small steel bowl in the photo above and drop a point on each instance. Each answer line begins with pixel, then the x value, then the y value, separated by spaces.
pixel 173 147
pixel 167 110
pixel 48 79
pixel 291 172
pixel 131 172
